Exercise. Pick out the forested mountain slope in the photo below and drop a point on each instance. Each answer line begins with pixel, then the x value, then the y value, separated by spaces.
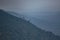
pixel 13 28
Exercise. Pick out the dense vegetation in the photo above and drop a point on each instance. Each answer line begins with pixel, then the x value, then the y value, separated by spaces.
pixel 13 28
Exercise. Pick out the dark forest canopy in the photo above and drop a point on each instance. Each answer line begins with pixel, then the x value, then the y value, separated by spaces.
pixel 13 28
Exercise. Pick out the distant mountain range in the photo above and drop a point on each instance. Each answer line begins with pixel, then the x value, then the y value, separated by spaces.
pixel 14 28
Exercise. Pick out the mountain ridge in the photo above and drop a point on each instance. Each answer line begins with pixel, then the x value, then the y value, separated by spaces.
pixel 14 28
pixel 45 21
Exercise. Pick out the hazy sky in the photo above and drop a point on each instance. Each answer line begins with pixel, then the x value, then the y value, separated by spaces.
pixel 31 5
pixel 36 6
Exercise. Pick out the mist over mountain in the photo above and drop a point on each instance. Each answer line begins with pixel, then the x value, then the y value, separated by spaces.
pixel 49 21
pixel 14 28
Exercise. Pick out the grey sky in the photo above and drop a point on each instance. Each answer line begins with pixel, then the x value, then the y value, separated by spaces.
pixel 42 5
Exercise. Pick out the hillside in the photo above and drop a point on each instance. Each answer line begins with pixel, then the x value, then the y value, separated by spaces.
pixel 13 28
